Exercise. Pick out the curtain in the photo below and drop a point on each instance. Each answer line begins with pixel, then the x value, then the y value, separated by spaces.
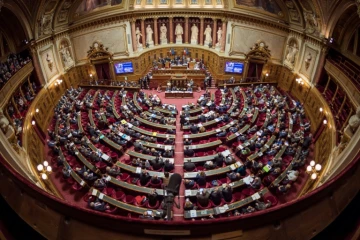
pixel 106 71
pixel 251 70
pixel 99 71
pixel 259 70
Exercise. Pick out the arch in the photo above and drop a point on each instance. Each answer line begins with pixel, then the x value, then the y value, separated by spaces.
pixel 22 19
pixel 335 16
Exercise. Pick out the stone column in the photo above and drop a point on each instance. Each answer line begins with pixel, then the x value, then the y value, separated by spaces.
pixel 327 85
pixel 201 31
pixel 36 63
pixel 321 63
pixel 223 40
pixel 133 35
pixel 171 30
pixel 214 32
pixel 143 37
pixel 186 30
pixel 156 31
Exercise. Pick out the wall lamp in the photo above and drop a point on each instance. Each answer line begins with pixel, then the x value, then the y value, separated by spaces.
pixel 44 170
pixel 313 170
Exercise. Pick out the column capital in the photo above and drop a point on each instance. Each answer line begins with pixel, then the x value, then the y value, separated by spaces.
pixel 133 20
pixel 156 18
pixel 202 18
pixel 224 20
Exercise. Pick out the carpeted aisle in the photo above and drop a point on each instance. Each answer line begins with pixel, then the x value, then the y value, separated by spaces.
pixel 179 146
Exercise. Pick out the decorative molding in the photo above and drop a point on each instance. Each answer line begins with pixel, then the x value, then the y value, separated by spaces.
pixel 98 51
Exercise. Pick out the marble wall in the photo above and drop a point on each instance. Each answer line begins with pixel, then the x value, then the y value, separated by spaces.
pixel 244 37
pixel 309 61
pixel 113 37
pixel 48 61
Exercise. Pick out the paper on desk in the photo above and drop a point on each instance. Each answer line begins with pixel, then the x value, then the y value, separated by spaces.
pixel 108 178
pixel 130 125
pixel 193 213
pixel 237 134
pixel 82 183
pixel 167 148
pixel 154 134
pixel 105 157
pixel 247 180
pixel 226 153
pixel 217 119
pixel 186 136
pixel 187 192
pixel 138 170
pixel 94 191
pixel 217 130
pixel 101 196
pixel 255 196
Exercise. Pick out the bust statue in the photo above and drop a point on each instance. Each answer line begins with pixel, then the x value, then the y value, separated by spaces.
pixel 6 128
pixel 354 121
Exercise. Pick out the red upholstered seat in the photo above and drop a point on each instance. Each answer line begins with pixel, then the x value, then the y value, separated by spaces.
pixel 204 207
pixel 111 209
pixel 119 195
pixel 200 154
pixel 158 185
pixel 76 186
pixel 123 177
pixel 237 196
pixel 109 191
pixel 70 181
pixel 156 206
pixel 129 199
pixel 248 192
pixel 271 199
pixel 101 165
pixel 220 149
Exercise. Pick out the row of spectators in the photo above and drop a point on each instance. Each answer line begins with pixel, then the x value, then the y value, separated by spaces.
pixel 12 64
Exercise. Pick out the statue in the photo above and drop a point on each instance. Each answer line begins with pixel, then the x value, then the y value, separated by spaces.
pixel 312 24
pixel 308 59
pixel 50 62
pixel 179 32
pixel 5 126
pixel 354 122
pixel 219 36
pixel 66 56
pixel 163 34
pixel 194 34
pixel 138 35
pixel 290 57
pixel 208 38
pixel 149 33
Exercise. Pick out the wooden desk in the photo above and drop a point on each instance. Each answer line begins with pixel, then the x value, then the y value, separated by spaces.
pixel 73 174
pixel 204 146
pixel 231 207
pixel 200 159
pixel 193 192
pixel 235 135
pixel 151 134
pixel 155 125
pixel 162 110
pixel 135 188
pixel 136 102
pixel 121 205
pixel 205 124
pixel 156 145
pixel 179 94
pixel 263 149
pixel 158 117
pixel 145 156
pixel 209 133
pixel 111 143
pixel 137 170
pixel 216 171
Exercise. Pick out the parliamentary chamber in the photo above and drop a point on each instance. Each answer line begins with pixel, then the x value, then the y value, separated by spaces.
pixel 308 50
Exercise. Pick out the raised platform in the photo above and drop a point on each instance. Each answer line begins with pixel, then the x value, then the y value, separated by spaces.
pixel 179 95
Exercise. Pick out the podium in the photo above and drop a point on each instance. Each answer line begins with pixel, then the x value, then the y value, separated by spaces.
pixel 167 65
pixel 192 65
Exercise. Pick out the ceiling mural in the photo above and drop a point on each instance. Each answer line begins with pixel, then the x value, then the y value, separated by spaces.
pixel 270 6
pixel 90 5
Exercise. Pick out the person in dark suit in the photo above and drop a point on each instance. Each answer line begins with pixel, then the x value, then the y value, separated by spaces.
pixel 221 134
pixel 203 198
pixel 144 177
pixel 187 142
pixel 157 164
pixel 201 178
pixel 189 166
pixel 155 180
pixel 189 183
pixel 194 129
pixel 227 193
pixel 219 160
pixel 189 152
pixel 168 166
pixel 98 205
pixel 153 198
pixel 233 176
pixel 202 118
pixel 307 141
pixel 216 196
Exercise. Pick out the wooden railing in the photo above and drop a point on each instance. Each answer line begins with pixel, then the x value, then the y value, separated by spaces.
pixel 14 82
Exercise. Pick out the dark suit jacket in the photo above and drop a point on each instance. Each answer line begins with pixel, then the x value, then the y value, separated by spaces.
pixel 227 194
pixel 216 197
pixel 189 152
pixel 189 166
pixel 203 200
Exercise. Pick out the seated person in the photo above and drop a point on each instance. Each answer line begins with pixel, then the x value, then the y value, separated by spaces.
pixel 187 142
pixel 261 205
pixel 168 153
pixel 99 205
pixel 209 165
pixel 189 152
pixel 99 184
pixel 227 193
pixel 256 183
pixel 169 141
pixel 155 180
pixel 221 134
pixel 203 198
pixel 233 176
pixel 189 166
pixel 189 183
pixel 157 164
pixel 201 178
pixel 170 131
pixel 153 198
pixel 219 160
pixel 216 196
pixel 113 171
pixel 194 129
pixel 188 205
pixel 144 177
pixel 168 166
